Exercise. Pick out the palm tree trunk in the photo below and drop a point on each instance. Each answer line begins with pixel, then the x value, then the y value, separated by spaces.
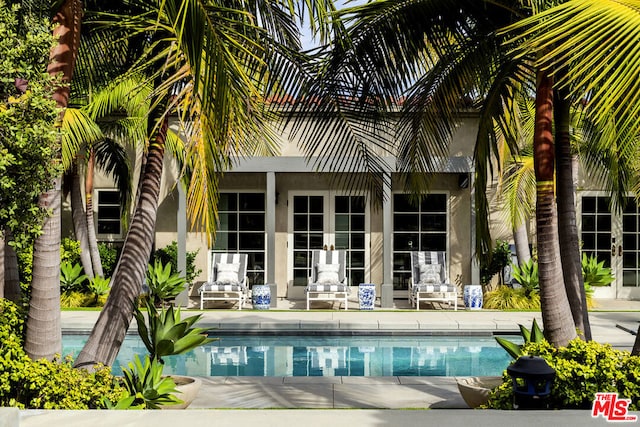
pixel 12 290
pixel 96 263
pixel 567 226
pixel 521 240
pixel 559 328
pixel 80 223
pixel 635 351
pixel 112 324
pixel 44 337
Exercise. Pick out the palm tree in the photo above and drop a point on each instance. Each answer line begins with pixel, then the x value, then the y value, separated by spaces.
pixel 213 64
pixel 44 336
pixel 446 52
pixel 603 62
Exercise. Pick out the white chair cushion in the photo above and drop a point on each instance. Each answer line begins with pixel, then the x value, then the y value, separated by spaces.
pixel 227 273
pixel 328 273
pixel 430 273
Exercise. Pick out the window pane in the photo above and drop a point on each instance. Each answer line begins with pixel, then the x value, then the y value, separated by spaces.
pixel 109 212
pixel 357 223
pixel 251 222
pixel 300 258
pixel 401 203
pixel 406 222
pixel 228 221
pixel 357 259
pixel 357 204
pixel 434 203
pixel 300 223
pixel 402 261
pixel 251 201
pixel 434 222
pixel 316 241
pixel 300 204
pixel 603 204
pixel 588 222
pixel 357 241
pixel 108 227
pixel 227 202
pixel 316 204
pixel 342 222
pixel 342 204
pixel 300 241
pixel 316 223
pixel 251 241
pixel 342 240
pixel 109 198
pixel 629 223
pixel 405 242
pixel 603 241
pixel 604 223
pixel 588 204
pixel 433 242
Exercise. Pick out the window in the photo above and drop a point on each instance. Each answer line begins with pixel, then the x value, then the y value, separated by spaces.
pixel 416 227
pixel 241 229
pixel 109 212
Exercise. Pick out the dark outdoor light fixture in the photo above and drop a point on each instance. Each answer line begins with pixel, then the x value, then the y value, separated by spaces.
pixel 532 378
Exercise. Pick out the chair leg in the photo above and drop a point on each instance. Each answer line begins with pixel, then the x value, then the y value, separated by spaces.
pixel 202 301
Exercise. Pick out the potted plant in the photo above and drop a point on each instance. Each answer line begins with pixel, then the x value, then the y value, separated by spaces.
pixel 164 333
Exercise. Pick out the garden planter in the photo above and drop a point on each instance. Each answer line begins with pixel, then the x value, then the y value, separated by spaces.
pixel 475 390
pixel 188 389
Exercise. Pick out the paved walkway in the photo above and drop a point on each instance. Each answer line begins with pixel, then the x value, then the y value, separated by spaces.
pixel 379 397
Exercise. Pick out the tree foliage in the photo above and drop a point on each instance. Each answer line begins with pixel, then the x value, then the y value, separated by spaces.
pixel 27 115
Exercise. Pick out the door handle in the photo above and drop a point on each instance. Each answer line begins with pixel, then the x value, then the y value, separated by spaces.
pixel 619 250
pixel 613 250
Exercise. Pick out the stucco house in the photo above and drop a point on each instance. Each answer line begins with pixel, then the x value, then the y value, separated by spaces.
pixel 277 209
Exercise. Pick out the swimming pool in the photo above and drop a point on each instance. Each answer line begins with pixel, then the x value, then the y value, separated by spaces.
pixel 275 356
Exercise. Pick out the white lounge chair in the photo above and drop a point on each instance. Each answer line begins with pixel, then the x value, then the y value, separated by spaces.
pixel 430 279
pixel 226 278
pixel 328 281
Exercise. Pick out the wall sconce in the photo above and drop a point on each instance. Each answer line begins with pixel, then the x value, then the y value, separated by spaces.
pixel 463 180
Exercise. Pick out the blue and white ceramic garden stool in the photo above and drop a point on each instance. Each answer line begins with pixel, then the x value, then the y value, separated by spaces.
pixel 472 297
pixel 367 295
pixel 261 297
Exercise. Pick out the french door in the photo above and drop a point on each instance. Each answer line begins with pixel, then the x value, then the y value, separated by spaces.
pixel 614 237
pixel 327 220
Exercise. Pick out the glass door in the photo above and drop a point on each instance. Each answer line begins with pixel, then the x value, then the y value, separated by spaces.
pixel 325 220
pixel 614 238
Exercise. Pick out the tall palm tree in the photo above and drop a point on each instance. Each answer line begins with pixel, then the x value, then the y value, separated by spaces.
pixel 44 336
pixel 444 52
pixel 603 61
pixel 212 63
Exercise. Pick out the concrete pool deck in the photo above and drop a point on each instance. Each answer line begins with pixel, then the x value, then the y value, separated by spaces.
pixel 378 398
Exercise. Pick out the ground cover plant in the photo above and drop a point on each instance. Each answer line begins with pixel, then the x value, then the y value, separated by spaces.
pixel 43 384
pixel 582 370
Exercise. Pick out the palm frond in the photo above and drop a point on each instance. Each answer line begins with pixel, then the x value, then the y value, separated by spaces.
pixel 78 130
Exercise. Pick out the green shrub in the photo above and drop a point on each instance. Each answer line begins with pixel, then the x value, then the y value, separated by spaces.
pixel 527 276
pixel 109 255
pixel 582 369
pixel 71 277
pixel 169 255
pixel 44 384
pixel 163 284
pixel 595 273
pixel 70 251
pixel 507 298
pixel 500 258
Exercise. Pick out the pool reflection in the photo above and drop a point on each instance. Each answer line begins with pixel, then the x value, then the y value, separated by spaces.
pixel 331 356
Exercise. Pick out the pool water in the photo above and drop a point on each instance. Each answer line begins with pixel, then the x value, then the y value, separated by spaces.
pixel 251 355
